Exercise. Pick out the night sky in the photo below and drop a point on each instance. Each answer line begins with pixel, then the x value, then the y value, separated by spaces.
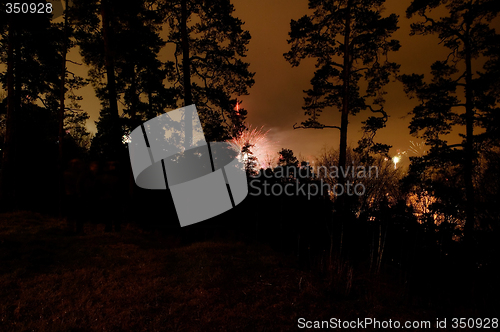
pixel 276 99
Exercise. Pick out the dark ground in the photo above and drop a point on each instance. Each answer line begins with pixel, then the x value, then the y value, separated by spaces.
pixel 136 280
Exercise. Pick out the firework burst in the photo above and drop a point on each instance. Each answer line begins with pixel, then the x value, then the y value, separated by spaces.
pixel 417 149
pixel 261 145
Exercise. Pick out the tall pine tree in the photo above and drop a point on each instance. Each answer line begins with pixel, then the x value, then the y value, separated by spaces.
pixel 121 43
pixel 350 40
pixel 32 49
pixel 458 98
pixel 207 67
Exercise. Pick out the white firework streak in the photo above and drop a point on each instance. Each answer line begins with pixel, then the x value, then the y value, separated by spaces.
pixel 418 149
pixel 261 145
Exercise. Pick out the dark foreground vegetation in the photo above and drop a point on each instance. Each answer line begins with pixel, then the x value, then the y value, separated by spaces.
pixel 137 280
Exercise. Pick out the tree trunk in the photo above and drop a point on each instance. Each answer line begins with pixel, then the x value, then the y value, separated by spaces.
pixel 62 108
pixel 469 129
pixel 381 246
pixel 8 159
pixel 134 123
pixel 345 98
pixel 107 31
pixel 186 69
pixel 341 208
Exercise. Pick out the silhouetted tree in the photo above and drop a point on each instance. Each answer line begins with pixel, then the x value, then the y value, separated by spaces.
pixel 456 97
pixel 120 41
pixel 249 159
pixel 287 158
pixel 211 43
pixel 350 41
pixel 32 49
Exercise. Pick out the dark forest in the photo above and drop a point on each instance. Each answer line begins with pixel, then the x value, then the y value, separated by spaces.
pixel 362 234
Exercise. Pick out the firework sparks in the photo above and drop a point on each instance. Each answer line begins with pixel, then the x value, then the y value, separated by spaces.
pixel 418 149
pixel 261 145
pixel 126 138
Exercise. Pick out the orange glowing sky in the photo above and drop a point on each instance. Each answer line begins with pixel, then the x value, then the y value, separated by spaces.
pixel 276 99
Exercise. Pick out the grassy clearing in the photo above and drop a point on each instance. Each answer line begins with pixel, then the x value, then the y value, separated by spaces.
pixel 138 281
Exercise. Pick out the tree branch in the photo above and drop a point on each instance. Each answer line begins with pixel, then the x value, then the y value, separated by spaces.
pixel 73 62
pixel 316 126
pixel 360 69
